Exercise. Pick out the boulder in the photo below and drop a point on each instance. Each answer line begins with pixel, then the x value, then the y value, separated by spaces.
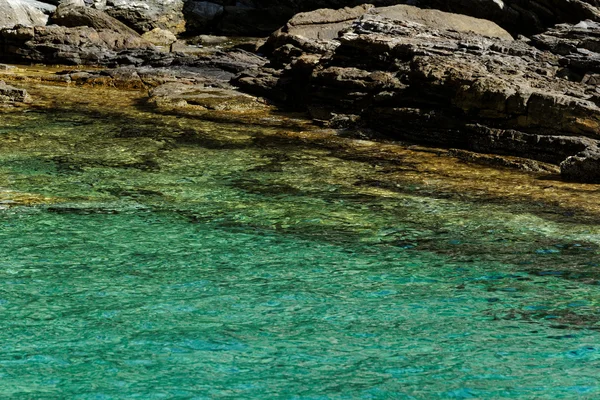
pixel 23 12
pixel 583 167
pixel 71 16
pixel 72 3
pixel 578 47
pixel 443 21
pixel 319 28
pixel 143 16
pixel 11 94
pixel 160 37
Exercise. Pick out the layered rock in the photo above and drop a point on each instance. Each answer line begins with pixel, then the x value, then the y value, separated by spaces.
pixel 438 79
pixel 71 46
pixel 261 17
pixel 578 47
pixel 520 16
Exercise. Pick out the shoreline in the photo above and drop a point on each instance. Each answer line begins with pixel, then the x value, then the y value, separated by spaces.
pixel 405 73
pixel 392 166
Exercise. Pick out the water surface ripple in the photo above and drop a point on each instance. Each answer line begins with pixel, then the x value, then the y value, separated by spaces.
pixel 148 256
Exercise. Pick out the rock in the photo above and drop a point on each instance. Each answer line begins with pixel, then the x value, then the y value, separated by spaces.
pixel 201 96
pixel 143 16
pixel 519 16
pixel 577 45
pixel 160 37
pixel 12 94
pixel 23 12
pixel 71 16
pixel 201 16
pixel 261 17
pixel 72 3
pixel 583 167
pixel 210 40
pixel 439 20
pixel 317 28
pixel 97 4
pixel 72 46
pixel 434 78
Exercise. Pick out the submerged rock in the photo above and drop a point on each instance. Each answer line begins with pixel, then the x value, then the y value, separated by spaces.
pixel 11 94
pixel 204 97
pixel 434 78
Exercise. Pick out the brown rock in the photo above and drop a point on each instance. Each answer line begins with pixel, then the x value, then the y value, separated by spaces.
pixel 439 79
pixel 71 17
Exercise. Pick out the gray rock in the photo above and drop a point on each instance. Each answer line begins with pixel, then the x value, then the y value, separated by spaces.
pixel 23 12
pixel 72 3
pixel 143 16
pixel 71 16
pixel 12 94
pixel 72 46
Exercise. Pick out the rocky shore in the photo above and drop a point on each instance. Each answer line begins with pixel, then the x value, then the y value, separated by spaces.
pixel 417 74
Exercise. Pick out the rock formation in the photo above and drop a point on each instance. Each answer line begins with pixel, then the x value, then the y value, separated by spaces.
pixel 261 17
pixel 11 94
pixel 24 12
pixel 440 79
pixel 146 15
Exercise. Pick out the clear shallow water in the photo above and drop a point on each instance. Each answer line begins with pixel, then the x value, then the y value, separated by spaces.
pixel 160 257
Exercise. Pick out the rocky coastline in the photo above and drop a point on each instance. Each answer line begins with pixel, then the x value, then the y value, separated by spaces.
pixel 523 82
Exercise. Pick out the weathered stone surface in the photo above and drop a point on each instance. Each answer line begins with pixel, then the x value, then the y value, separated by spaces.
pixel 439 20
pixel 23 12
pixel 422 79
pixel 160 37
pixel 578 47
pixel 261 17
pixel 202 96
pixel 583 167
pixel 317 28
pixel 520 16
pixel 11 94
pixel 143 16
pixel 72 16
pixel 61 45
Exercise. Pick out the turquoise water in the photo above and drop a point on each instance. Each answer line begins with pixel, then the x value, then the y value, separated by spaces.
pixel 147 257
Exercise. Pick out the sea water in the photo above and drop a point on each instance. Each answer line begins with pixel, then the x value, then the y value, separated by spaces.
pixel 158 256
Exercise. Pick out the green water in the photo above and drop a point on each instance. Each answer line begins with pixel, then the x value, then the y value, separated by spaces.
pixel 179 258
